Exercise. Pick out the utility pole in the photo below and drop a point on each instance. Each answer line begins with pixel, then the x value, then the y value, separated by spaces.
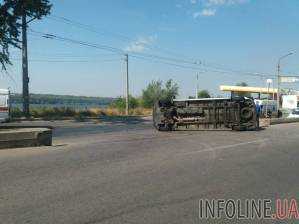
pixel 197 87
pixel 269 81
pixel 278 88
pixel 25 67
pixel 127 83
pixel 278 79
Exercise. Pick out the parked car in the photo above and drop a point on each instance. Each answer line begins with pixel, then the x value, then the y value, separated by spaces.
pixel 294 113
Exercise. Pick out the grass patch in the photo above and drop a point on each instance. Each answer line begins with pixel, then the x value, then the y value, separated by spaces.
pixel 56 113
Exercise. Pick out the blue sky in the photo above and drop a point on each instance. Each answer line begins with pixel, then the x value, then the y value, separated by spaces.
pixel 245 35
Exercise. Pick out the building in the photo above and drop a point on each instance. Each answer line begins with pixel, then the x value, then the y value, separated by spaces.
pixel 290 97
pixel 236 90
pixel 4 104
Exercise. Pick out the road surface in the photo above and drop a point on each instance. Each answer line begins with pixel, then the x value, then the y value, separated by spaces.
pixel 126 172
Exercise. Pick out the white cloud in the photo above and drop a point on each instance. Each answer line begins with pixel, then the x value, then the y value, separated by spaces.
pixel 140 44
pixel 210 7
pixel 215 2
pixel 196 14
pixel 204 12
pixel 193 1
pixel 224 2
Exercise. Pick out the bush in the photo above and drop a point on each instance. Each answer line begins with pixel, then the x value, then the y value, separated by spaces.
pixel 50 113
pixel 16 113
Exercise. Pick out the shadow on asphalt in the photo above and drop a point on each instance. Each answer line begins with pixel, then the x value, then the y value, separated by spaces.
pixel 104 124
pixel 123 119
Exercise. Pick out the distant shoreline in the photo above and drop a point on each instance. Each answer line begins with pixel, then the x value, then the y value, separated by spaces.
pixel 51 100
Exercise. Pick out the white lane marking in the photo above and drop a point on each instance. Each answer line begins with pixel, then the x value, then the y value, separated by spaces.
pixel 226 146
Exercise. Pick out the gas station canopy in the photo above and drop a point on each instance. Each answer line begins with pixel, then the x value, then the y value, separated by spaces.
pixel 248 89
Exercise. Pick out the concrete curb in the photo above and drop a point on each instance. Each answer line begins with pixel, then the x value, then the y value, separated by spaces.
pixel 13 126
pixel 274 121
pixel 25 137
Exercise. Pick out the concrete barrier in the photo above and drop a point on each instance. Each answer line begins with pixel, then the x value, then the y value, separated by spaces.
pixel 25 137
pixel 274 121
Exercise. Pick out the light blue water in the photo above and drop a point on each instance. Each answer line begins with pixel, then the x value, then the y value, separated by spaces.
pixel 72 106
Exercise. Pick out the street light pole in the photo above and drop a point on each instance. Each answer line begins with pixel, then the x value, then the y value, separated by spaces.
pixel 127 84
pixel 278 80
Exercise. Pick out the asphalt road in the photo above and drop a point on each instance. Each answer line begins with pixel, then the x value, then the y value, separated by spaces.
pixel 126 172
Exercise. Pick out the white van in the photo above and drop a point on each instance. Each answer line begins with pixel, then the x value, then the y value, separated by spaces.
pixel 4 105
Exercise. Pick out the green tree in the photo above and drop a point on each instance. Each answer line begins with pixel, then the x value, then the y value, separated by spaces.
pixel 243 84
pixel 204 94
pixel 120 103
pixel 156 91
pixel 170 91
pixel 152 93
pixel 11 12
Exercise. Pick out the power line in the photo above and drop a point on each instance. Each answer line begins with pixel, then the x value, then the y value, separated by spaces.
pixel 88 27
pixel 11 78
pixel 164 62
pixel 119 36
pixel 199 63
pixel 67 61
pixel 194 68
pixel 70 55
pixel 144 55
pixel 289 73
pixel 102 47
pixel 168 59
pixel 217 66
pixel 148 46
pixel 108 48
